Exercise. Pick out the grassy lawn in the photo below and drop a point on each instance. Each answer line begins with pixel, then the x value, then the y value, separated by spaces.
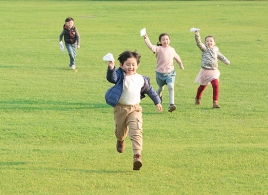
pixel 56 131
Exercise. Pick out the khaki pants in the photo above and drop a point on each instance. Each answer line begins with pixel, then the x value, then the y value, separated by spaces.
pixel 128 120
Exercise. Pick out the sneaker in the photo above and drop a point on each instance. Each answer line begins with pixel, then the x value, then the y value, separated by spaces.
pixel 72 67
pixel 137 164
pixel 172 108
pixel 120 146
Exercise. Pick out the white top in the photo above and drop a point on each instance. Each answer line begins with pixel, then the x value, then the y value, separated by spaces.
pixel 132 89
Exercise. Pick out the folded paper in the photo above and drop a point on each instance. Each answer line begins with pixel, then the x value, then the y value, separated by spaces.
pixel 194 29
pixel 61 46
pixel 143 32
pixel 108 57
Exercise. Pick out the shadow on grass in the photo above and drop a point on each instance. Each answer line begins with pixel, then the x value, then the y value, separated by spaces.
pixel 208 108
pixel 49 105
pixel 13 164
pixel 9 67
pixel 66 68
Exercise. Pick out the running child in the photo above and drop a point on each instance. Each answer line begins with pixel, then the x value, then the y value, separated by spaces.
pixel 128 90
pixel 165 72
pixel 71 39
pixel 209 72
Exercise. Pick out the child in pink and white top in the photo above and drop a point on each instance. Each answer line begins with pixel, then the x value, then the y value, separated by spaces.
pixel 209 72
pixel 165 72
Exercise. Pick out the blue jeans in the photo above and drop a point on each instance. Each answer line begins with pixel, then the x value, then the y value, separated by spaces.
pixel 71 48
pixel 163 79
pixel 168 79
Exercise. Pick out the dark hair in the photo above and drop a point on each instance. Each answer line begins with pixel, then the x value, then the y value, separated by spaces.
pixel 129 54
pixel 69 19
pixel 210 36
pixel 159 38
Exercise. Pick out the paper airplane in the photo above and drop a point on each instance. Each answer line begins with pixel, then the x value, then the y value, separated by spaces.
pixel 194 29
pixel 143 32
pixel 108 57
pixel 61 46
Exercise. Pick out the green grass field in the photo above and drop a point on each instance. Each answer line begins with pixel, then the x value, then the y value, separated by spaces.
pixel 57 131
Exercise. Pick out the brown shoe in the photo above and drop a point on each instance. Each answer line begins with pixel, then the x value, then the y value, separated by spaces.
pixel 197 101
pixel 215 104
pixel 172 108
pixel 120 146
pixel 137 164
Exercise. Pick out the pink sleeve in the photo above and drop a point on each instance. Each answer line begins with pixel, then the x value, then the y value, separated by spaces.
pixel 150 45
pixel 177 58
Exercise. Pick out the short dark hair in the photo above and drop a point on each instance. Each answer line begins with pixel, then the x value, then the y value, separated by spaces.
pixel 129 54
pixel 69 19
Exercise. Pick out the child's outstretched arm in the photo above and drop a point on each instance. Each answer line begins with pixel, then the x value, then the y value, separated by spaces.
pixel 223 59
pixel 178 60
pixel 199 43
pixel 149 44
pixel 111 75
pixel 148 89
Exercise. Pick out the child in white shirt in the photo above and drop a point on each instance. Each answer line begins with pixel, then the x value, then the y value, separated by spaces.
pixel 125 96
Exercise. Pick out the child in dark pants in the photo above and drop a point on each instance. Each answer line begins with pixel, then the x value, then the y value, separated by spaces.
pixel 71 39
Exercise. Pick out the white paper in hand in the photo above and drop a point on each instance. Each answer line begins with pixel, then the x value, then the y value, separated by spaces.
pixel 194 29
pixel 108 57
pixel 61 46
pixel 143 32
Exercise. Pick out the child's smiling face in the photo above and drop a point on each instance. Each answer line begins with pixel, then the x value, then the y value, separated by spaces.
pixel 130 66
pixel 210 42
pixel 165 41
